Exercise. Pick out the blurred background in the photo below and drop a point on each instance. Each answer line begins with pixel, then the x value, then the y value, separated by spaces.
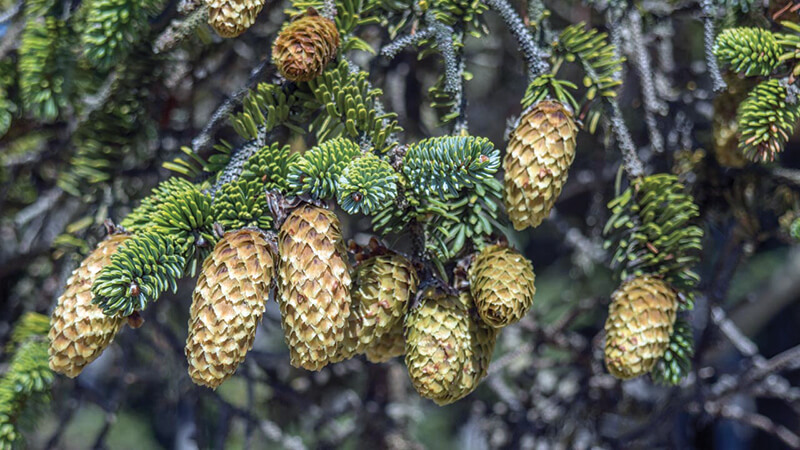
pixel 547 387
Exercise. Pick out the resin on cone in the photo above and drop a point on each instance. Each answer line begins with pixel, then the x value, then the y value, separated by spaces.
pixel 639 325
pixel 305 46
pixel 436 332
pixel 539 154
pixel 227 305
pixel 502 284
pixel 314 286
pixel 230 18
pixel 79 331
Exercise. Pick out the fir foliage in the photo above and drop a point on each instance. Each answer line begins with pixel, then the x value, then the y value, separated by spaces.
pixel 446 165
pixel 450 191
pixel 749 51
pixel 366 185
pixel 186 218
pixel 318 170
pixel 46 65
pixel 26 383
pixel 548 86
pixel 119 128
pixel 8 108
pixel 466 13
pixel 350 107
pixel 242 203
pixel 350 14
pixel 271 165
pixel 113 27
pixel 651 231
pixel 266 107
pixel 791 46
pixel 140 218
pixel 677 360
pixel 600 60
pixel 140 271
pixel 766 119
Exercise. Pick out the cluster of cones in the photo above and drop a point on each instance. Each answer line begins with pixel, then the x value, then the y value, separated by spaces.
pixel 330 311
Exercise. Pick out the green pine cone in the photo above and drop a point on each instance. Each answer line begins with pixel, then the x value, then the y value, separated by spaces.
pixel 437 333
pixel 502 284
pixel 383 286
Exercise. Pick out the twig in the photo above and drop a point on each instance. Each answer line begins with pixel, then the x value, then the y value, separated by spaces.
pixel 534 56
pixel 708 40
pixel 633 165
pixel 391 49
pixel 9 14
pixel 744 345
pixel 204 139
pixel 641 59
pixel 178 30
pixel 755 420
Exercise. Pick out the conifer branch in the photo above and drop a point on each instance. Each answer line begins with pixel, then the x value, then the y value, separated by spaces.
pixel 708 34
pixel 641 60
pixel 535 57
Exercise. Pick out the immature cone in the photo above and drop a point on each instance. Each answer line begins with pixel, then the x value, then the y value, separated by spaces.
pixel 79 331
pixel 639 325
pixel 314 286
pixel 501 282
pixel 383 286
pixel 437 333
pixel 227 304
pixel 388 346
pixel 479 351
pixel 305 46
pixel 230 18
pixel 537 159
pixel 350 345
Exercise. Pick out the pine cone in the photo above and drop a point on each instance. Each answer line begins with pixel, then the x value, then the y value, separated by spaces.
pixel 501 282
pixel 227 304
pixel 230 18
pixel 639 325
pixel 437 333
pixel 479 351
pixel 79 331
pixel 537 159
pixel 383 286
pixel 314 284
pixel 350 345
pixel 305 46
pixel 388 346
